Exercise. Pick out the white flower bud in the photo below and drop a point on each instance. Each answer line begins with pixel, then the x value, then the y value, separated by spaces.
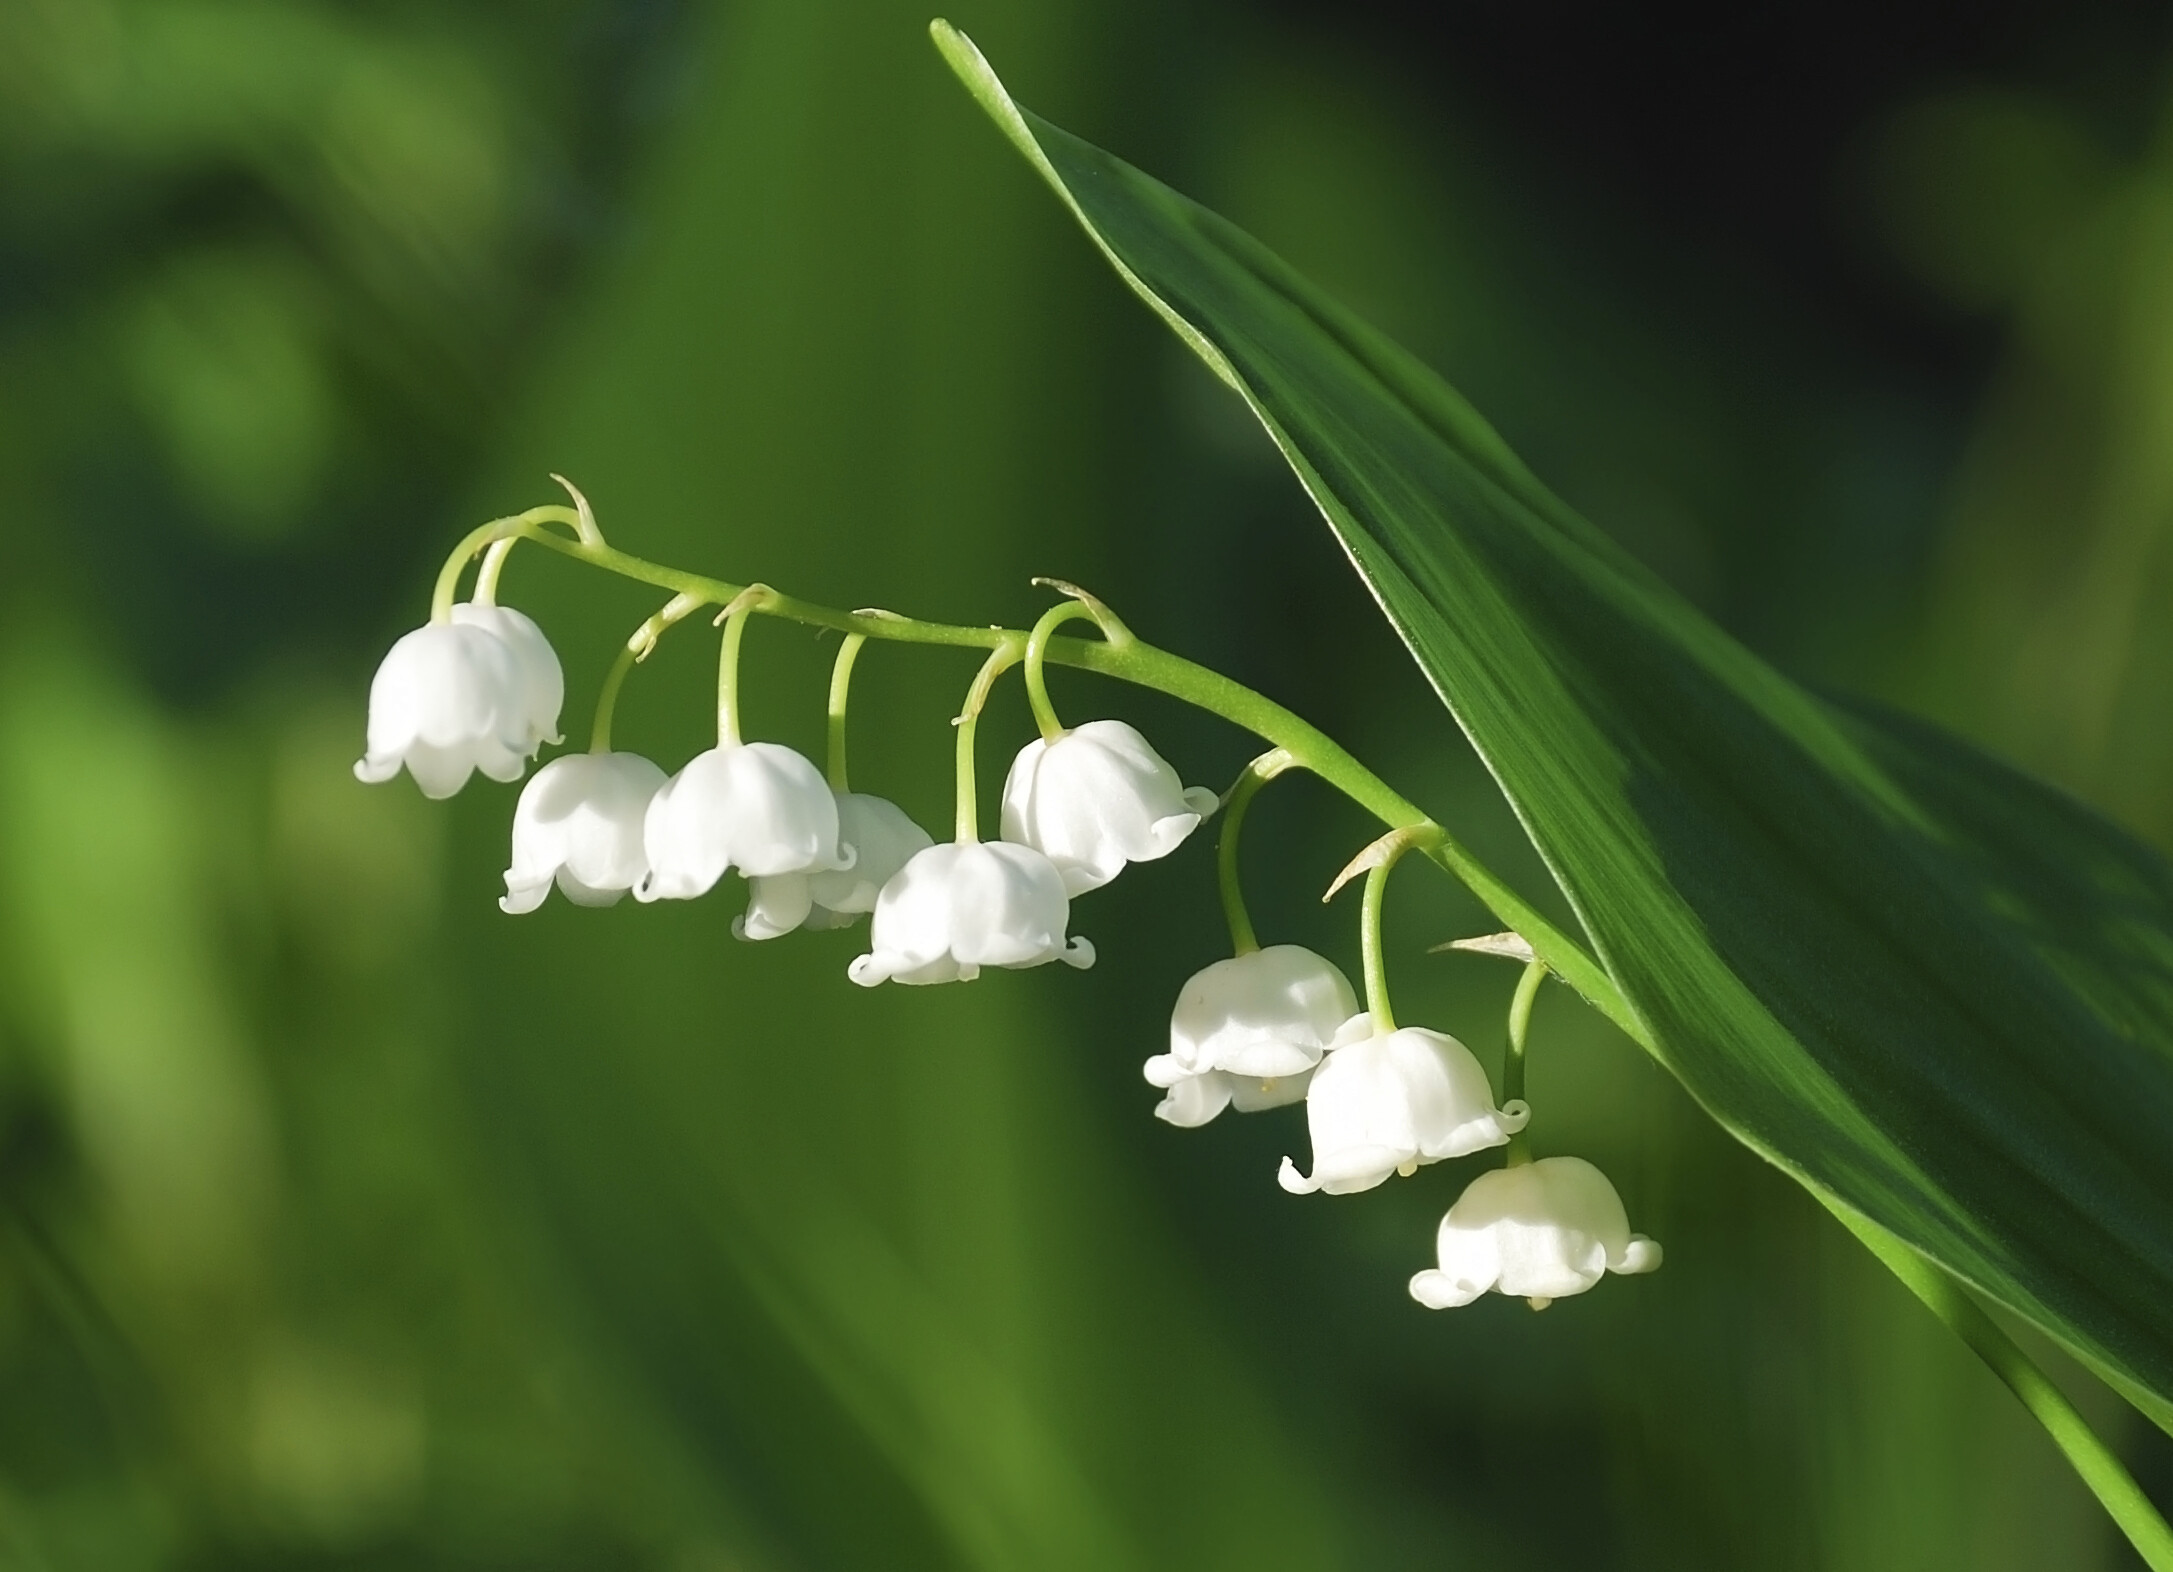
pixel 1540 1231
pixel 956 908
pixel 882 840
pixel 579 821
pixel 1384 1104
pixel 1249 1030
pixel 1097 798
pixel 481 692
pixel 758 807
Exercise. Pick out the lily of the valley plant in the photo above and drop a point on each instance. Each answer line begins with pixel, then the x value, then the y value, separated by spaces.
pixel 1880 962
pixel 479 687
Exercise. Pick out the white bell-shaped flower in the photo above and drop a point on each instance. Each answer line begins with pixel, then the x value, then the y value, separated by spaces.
pixel 1382 1104
pixel 1097 798
pixel 543 682
pixel 481 692
pixel 956 908
pixel 1249 1031
pixel 758 807
pixel 580 822
pixel 882 840
pixel 1191 1100
pixel 1540 1231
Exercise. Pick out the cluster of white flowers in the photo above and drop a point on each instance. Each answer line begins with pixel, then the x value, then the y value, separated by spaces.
pixel 481 690
pixel 1279 1024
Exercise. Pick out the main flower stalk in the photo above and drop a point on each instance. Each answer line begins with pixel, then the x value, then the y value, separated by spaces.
pixel 573 533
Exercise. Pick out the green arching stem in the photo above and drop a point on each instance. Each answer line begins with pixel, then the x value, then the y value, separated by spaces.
pixel 1037 644
pixel 1369 942
pixel 1128 660
pixel 841 687
pixel 522 526
pixel 607 698
pixel 486 577
pixel 1234 803
pixel 2085 1451
pixel 636 648
pixel 1000 660
pixel 734 617
pixel 1512 1067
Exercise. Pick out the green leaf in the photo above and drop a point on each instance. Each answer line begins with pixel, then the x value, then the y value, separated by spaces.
pixel 1935 992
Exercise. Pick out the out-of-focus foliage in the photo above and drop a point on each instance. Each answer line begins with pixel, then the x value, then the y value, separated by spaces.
pixel 2047 627
pixel 347 1222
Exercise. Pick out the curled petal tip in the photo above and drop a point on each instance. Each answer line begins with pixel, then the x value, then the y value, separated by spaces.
pixel 520 898
pixel 1514 1115
pixel 1079 953
pixel 1436 1290
pixel 1293 1181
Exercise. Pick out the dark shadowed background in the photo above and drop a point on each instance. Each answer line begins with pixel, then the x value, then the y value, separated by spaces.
pixel 346 1222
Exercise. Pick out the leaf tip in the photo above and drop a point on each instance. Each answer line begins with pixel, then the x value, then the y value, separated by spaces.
pixel 964 57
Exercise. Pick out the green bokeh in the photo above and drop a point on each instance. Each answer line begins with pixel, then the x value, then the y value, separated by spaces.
pixel 345 1222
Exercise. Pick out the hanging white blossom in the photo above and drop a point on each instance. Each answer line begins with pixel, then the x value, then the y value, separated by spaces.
pixel 543 682
pixel 1097 798
pixel 882 839
pixel 1192 1100
pixel 1540 1231
pixel 958 907
pixel 579 822
pixel 757 807
pixel 481 692
pixel 1248 1031
pixel 1382 1104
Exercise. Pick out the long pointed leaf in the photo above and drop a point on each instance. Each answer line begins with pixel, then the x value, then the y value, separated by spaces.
pixel 1922 984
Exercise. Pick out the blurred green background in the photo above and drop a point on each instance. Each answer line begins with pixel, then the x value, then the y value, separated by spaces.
pixel 347 1223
